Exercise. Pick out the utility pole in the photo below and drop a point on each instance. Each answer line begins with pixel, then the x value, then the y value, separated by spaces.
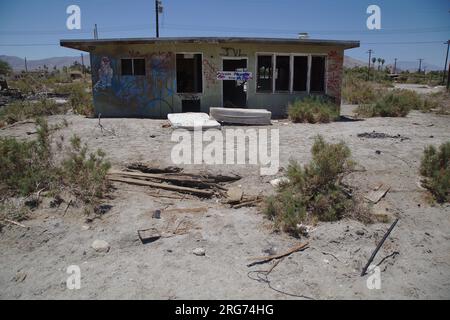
pixel 395 65
pixel 26 65
pixel 370 57
pixel 420 64
pixel 445 64
pixel 157 17
pixel 95 32
pixel 82 65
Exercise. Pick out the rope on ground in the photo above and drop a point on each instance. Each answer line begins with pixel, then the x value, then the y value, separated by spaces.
pixel 263 276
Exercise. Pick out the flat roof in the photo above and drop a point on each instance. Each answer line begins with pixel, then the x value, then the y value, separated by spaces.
pixel 86 44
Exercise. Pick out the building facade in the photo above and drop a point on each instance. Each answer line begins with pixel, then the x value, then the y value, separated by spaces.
pixel 156 76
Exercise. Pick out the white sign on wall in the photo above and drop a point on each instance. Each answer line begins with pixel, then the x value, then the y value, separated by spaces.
pixel 234 75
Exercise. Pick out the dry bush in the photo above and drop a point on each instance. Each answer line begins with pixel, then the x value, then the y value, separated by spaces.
pixel 22 110
pixel 313 109
pixel 435 166
pixel 314 192
pixel 28 166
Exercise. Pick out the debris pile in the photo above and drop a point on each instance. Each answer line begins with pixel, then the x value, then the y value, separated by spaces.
pixel 380 135
pixel 202 185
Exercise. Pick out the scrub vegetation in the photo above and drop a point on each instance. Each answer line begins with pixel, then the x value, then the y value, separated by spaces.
pixel 314 192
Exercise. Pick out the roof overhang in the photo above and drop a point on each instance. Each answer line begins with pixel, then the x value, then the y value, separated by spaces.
pixel 89 44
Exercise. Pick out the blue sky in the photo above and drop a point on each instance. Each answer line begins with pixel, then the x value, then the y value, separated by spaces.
pixel 411 29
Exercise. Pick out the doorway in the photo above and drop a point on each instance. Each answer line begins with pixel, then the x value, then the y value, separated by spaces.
pixel 234 92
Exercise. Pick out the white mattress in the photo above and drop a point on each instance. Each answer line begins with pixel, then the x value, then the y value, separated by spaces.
pixel 192 120
pixel 241 116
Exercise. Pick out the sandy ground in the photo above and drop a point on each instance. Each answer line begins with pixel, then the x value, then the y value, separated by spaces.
pixel 414 261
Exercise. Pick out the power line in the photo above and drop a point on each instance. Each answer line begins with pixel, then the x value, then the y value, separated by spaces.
pixel 230 29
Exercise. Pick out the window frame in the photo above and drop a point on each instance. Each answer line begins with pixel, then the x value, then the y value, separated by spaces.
pixel 257 72
pixel 202 73
pixel 291 77
pixel 132 67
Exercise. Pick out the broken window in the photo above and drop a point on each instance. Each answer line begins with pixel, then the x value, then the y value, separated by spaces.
pixel 132 67
pixel 300 73
pixel 189 73
pixel 283 73
pixel 317 83
pixel 264 74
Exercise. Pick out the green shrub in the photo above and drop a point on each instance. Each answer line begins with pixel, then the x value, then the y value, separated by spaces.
pixel 21 110
pixel 79 98
pixel 313 109
pixel 313 192
pixel 355 91
pixel 85 173
pixel 435 166
pixel 395 103
pixel 26 167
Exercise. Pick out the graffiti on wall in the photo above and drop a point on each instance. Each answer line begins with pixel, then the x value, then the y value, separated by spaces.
pixel 149 94
pixel 334 74
pixel 232 52
pixel 210 71
pixel 105 74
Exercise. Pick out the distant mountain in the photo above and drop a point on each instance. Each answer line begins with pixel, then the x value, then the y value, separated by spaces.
pixel 350 62
pixel 18 64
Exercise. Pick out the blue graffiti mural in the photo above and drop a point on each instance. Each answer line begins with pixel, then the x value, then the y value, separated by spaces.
pixel 127 95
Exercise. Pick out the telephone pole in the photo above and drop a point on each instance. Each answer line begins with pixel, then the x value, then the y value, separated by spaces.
pixel 420 64
pixel 395 65
pixel 82 65
pixel 26 65
pixel 445 64
pixel 158 10
pixel 95 32
pixel 370 57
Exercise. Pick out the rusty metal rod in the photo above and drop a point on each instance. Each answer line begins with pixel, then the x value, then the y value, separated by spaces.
pixel 378 247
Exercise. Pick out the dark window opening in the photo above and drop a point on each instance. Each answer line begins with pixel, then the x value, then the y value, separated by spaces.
pixel 189 73
pixel 317 74
pixel 139 67
pixel 127 67
pixel 132 67
pixel 300 73
pixel 283 73
pixel 264 77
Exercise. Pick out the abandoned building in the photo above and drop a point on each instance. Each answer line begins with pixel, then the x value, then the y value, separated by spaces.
pixel 152 77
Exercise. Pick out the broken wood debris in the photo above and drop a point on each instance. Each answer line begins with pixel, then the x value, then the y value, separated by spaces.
pixel 202 185
pixel 378 193
pixel 260 260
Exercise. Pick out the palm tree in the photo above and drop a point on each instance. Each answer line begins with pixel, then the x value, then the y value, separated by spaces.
pixel 373 61
pixel 379 62
pixel 382 63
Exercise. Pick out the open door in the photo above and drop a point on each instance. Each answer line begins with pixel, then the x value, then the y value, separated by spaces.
pixel 234 92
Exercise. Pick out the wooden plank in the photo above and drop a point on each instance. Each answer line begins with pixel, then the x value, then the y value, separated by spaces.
pixel 198 192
